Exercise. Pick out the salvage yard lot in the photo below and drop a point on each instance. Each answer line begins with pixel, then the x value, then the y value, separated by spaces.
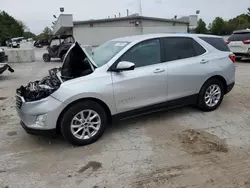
pixel 181 148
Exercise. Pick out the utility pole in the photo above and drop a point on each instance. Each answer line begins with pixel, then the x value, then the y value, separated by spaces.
pixel 140 6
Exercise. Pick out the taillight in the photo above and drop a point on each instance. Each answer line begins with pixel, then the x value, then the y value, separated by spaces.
pixel 232 57
pixel 227 41
pixel 246 41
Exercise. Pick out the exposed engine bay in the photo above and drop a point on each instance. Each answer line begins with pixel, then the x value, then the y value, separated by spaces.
pixel 41 88
pixel 76 64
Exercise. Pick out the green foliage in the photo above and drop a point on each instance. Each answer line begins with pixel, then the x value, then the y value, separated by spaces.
pixel 201 27
pixel 222 27
pixel 28 34
pixel 218 26
pixel 9 27
pixel 46 34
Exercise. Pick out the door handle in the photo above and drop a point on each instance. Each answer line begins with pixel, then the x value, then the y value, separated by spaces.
pixel 203 61
pixel 159 70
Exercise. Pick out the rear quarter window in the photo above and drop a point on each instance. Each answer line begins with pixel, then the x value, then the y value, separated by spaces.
pixel 239 37
pixel 217 43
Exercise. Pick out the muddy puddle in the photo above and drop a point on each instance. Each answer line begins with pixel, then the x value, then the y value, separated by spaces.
pixel 199 142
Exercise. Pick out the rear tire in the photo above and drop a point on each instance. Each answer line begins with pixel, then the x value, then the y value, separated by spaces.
pixel 78 129
pixel 211 95
pixel 46 57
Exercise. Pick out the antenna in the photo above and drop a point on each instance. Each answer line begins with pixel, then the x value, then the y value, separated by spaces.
pixel 127 12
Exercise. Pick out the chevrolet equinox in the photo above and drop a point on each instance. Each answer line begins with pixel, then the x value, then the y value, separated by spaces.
pixel 125 77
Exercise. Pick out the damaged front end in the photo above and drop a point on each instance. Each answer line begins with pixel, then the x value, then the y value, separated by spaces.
pixel 77 63
pixel 40 89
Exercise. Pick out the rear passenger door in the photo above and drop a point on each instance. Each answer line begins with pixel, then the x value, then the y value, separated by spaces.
pixel 185 63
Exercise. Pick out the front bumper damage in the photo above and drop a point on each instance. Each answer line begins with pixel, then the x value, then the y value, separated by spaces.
pixel 37 108
pixel 40 116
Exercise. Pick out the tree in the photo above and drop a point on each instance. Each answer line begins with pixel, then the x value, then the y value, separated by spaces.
pixel 201 27
pixel 28 34
pixel 218 26
pixel 47 32
pixel 9 27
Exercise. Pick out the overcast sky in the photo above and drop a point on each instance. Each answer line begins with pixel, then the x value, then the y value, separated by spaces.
pixel 37 14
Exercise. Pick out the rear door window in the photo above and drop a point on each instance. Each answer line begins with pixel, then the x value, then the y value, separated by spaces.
pixel 218 43
pixel 239 36
pixel 176 48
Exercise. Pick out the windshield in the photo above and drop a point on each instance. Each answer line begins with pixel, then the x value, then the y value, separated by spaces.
pixel 105 52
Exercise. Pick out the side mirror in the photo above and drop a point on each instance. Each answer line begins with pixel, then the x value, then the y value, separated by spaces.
pixel 124 66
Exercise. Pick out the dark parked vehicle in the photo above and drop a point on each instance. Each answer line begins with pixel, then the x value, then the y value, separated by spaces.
pixel 58 47
pixel 3 56
pixel 3 65
pixel 41 42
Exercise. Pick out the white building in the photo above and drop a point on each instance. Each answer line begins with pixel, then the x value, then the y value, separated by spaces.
pixel 95 32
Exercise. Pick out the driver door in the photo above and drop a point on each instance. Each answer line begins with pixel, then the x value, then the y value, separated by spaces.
pixel 147 83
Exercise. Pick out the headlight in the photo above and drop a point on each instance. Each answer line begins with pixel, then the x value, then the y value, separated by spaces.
pixel 40 119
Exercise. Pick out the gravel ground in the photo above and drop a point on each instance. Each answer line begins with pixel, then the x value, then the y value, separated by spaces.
pixel 181 148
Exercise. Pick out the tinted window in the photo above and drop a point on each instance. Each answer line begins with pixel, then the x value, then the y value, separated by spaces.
pixel 180 48
pixel 239 37
pixel 199 50
pixel 144 53
pixel 218 43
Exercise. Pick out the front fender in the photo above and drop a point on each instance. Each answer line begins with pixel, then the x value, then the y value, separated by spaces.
pixel 108 102
pixel 100 88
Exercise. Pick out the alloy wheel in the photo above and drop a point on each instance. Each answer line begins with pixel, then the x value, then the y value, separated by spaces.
pixel 212 95
pixel 85 124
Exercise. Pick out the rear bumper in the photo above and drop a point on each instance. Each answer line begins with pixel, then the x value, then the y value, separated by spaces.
pixel 230 87
pixel 242 54
pixel 50 132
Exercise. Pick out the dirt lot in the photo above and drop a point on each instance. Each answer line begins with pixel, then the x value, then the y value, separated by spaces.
pixel 181 148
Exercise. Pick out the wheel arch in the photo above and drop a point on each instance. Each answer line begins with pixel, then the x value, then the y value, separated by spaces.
pixel 100 102
pixel 218 77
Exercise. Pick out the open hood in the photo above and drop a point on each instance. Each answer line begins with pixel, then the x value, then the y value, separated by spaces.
pixel 77 62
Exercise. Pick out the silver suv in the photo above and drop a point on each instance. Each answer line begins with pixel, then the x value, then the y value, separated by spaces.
pixel 126 77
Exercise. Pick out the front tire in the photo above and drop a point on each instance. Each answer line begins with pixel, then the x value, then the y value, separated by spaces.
pixel 211 95
pixel 83 123
pixel 46 57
